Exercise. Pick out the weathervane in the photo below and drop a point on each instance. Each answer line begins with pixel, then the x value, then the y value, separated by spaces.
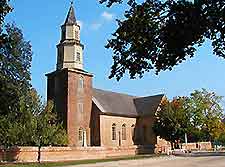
pixel 71 2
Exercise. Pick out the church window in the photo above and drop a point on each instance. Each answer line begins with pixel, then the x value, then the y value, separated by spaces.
pixel 113 131
pixel 80 107
pixel 78 56
pixel 81 83
pixel 76 35
pixel 124 135
pixel 80 135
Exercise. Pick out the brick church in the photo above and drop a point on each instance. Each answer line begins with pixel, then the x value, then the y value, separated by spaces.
pixel 94 117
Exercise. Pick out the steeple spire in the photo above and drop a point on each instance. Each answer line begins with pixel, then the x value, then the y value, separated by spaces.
pixel 70 50
pixel 70 19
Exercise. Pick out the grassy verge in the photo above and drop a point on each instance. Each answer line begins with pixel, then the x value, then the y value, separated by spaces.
pixel 78 162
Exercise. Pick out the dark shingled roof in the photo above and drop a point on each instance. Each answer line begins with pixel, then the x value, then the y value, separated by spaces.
pixel 70 19
pixel 147 105
pixel 125 105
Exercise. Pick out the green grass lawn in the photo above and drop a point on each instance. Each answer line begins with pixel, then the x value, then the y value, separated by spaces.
pixel 78 162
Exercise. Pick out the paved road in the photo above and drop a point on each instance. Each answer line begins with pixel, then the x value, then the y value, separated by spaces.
pixel 212 161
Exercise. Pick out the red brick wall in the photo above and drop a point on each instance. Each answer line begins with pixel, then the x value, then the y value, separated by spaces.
pixel 95 126
pixel 76 119
pixel 30 154
pixel 63 90
pixel 197 146
pixel 144 134
pixel 19 154
pixel 162 146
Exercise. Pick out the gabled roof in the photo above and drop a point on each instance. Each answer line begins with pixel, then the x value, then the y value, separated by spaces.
pixel 70 19
pixel 115 103
pixel 112 103
pixel 148 105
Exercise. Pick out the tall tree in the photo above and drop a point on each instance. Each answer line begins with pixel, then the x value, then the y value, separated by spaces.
pixel 206 114
pixel 159 34
pixel 15 63
pixel 24 120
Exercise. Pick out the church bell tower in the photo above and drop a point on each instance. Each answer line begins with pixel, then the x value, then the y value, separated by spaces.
pixel 70 50
pixel 70 86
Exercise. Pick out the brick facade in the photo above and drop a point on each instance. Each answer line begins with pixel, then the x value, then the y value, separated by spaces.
pixel 63 89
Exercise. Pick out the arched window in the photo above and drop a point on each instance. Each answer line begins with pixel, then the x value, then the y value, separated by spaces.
pixel 124 134
pixel 80 135
pixel 81 83
pixel 114 131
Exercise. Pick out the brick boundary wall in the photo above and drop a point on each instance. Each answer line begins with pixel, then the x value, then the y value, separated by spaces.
pixel 48 154
pixel 198 146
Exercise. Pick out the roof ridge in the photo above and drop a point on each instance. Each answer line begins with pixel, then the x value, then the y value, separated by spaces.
pixel 161 94
pixel 116 92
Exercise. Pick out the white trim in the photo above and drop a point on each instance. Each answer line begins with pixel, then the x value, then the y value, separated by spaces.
pixel 98 105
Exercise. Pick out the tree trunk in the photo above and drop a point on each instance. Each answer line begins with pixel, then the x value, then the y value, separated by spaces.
pixel 172 144
pixel 39 154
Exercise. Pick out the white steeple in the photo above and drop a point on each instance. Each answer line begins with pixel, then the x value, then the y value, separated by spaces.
pixel 70 50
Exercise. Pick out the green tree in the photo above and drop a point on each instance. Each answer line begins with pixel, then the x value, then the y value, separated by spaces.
pixel 49 130
pixel 32 128
pixel 199 116
pixel 15 63
pixel 4 10
pixel 206 114
pixel 221 138
pixel 160 34
pixel 172 121
pixel 24 120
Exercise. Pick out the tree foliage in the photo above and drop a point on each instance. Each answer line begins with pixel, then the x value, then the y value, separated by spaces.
pixel 172 121
pixel 15 63
pixel 206 114
pixel 32 128
pixel 24 120
pixel 199 115
pixel 157 34
pixel 4 10
pixel 221 138
pixel 49 131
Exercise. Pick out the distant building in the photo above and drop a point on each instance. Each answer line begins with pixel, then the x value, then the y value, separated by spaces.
pixel 94 117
